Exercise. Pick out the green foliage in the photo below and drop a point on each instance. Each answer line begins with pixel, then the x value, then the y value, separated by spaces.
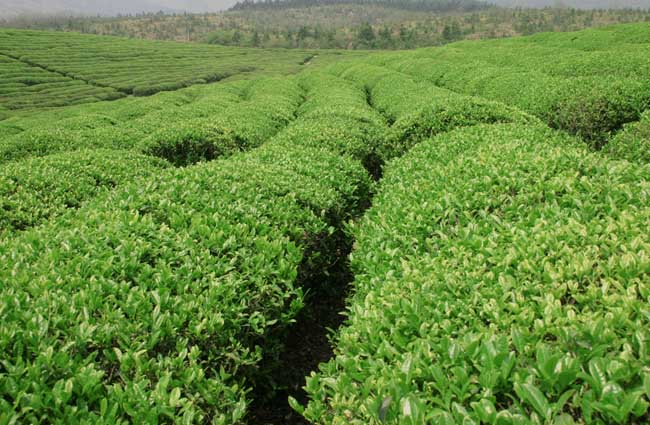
pixel 190 141
pixel 52 69
pixel 178 326
pixel 419 110
pixel 327 25
pixel 183 128
pixel 24 86
pixel 633 143
pixel 447 113
pixel 202 266
pixel 269 106
pixel 499 276
pixel 337 116
pixel 588 93
pixel 36 190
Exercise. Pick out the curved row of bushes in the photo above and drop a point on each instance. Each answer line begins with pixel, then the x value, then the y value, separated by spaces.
pixel 270 105
pixel 157 301
pixel 564 54
pixel 337 116
pixel 26 87
pixel 155 296
pixel 138 67
pixel 633 142
pixel 419 110
pixel 43 187
pixel 501 278
pixel 119 125
pixel 225 120
pixel 590 90
pixel 592 108
pixel 37 189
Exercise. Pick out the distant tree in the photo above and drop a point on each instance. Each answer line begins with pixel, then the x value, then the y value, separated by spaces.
pixel 447 33
pixel 406 36
pixel 236 37
pixel 366 35
pixel 456 31
pixel 303 33
pixel 385 38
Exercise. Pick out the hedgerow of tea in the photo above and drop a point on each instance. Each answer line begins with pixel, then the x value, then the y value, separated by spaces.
pixel 482 207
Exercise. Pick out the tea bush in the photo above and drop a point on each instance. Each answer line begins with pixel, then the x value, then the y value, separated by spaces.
pixel 37 189
pixel 501 276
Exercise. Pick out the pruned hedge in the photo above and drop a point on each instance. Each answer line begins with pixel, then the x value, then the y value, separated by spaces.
pixel 418 110
pixel 228 118
pixel 337 116
pixel 38 189
pixel 161 295
pixel 501 278
pixel 591 107
pixel 633 142
pixel 164 295
pixel 269 106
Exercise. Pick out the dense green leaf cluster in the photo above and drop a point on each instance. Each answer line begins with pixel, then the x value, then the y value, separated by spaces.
pixel 162 296
pixel 228 126
pixel 182 127
pixel 419 110
pixel 121 124
pixel 156 294
pixel 590 107
pixel 501 278
pixel 633 142
pixel 589 90
pixel 337 116
pixel 37 189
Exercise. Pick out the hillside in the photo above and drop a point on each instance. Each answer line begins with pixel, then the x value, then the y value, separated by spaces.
pixel 453 234
pixel 369 25
pixel 578 4
pixel 49 69
pixel 14 8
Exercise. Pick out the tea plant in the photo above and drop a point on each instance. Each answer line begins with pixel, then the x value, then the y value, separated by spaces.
pixel 633 143
pixel 501 276
pixel 37 189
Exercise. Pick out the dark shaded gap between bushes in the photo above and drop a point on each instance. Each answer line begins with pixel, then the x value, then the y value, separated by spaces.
pixel 307 60
pixel 306 344
pixel 375 164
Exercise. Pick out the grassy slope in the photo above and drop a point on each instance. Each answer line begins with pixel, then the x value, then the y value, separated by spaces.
pixel 48 69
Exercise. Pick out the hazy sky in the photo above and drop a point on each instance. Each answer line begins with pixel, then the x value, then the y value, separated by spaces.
pixel 11 8
pixel 109 7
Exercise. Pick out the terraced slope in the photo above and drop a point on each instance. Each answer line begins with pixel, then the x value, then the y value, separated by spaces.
pixel 46 69
pixel 27 86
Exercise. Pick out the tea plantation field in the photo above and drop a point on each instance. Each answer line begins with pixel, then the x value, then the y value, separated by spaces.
pixel 172 214
pixel 50 69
